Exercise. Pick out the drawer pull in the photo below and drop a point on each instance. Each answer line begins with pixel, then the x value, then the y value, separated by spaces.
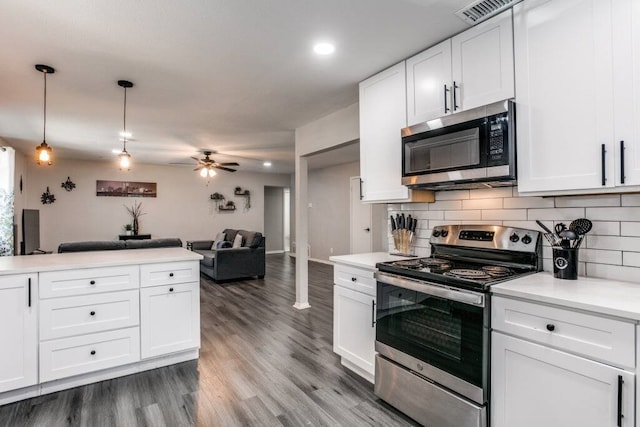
pixel 353 279
pixel 93 282
pixel 551 327
pixel 170 274
pixel 620 416
pixel 93 313
pixel 170 289
pixel 93 352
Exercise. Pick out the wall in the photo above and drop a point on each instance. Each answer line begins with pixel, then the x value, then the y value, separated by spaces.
pixel 182 209
pixel 332 130
pixel 611 249
pixel 273 218
pixel 329 196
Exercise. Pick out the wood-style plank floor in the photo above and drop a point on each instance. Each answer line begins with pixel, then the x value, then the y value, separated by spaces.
pixel 262 363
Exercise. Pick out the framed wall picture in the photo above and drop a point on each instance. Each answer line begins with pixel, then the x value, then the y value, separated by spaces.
pixel 126 189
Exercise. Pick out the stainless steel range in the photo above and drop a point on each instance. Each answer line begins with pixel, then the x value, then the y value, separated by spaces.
pixel 433 321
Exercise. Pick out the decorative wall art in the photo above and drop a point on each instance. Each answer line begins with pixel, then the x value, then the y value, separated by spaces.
pixel 47 197
pixel 68 184
pixel 246 193
pixel 126 189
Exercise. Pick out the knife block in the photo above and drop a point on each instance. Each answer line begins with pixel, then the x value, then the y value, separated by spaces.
pixel 403 241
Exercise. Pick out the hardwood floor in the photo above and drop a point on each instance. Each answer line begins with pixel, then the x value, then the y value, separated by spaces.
pixel 262 363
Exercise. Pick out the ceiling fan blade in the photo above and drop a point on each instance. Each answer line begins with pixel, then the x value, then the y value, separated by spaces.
pixel 195 158
pixel 229 164
pixel 223 168
pixel 198 168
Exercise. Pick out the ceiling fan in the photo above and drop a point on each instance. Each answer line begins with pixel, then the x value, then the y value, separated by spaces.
pixel 207 165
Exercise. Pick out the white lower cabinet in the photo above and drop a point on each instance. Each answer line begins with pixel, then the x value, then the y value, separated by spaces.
pixel 555 367
pixel 88 353
pixel 18 331
pixel 354 332
pixel 170 318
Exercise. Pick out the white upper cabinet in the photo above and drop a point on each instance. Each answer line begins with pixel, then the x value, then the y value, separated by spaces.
pixel 383 112
pixel 472 69
pixel 483 63
pixel 429 84
pixel 577 68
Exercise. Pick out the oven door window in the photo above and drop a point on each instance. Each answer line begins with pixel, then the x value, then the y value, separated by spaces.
pixel 443 333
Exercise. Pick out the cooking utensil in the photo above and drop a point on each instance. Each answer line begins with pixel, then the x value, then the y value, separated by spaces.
pixel 544 227
pixel 567 237
pixel 559 228
pixel 581 226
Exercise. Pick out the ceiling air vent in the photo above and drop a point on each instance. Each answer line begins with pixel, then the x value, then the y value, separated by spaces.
pixel 480 10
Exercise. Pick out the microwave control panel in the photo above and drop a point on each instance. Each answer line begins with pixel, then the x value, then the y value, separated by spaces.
pixel 496 141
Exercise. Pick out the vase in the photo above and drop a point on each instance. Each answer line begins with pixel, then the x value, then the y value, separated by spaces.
pixel 135 226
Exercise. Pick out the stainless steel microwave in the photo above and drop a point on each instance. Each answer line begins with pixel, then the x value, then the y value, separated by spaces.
pixel 470 149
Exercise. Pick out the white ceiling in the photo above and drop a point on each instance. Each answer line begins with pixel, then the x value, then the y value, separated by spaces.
pixel 236 76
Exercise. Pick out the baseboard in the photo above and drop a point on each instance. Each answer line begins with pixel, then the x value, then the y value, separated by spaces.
pixel 321 261
pixel 275 252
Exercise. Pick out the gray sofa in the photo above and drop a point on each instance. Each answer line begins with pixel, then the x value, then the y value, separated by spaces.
pixel 232 263
pixel 109 245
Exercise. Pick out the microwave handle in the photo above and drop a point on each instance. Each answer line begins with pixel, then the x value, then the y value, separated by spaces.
pixel 446 92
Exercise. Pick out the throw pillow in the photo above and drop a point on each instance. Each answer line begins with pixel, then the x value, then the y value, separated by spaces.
pixel 223 244
pixel 237 242
pixel 220 237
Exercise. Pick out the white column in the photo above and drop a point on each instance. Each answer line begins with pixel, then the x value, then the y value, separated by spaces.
pixel 302 235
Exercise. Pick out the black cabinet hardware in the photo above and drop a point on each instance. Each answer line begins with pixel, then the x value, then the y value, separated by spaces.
pixel 446 92
pixel 29 291
pixel 621 162
pixel 93 282
pixel 93 313
pixel 373 313
pixel 93 352
pixel 455 101
pixel 620 382
pixel 170 274
pixel 551 327
pixel 353 279
pixel 603 151
pixel 361 194
pixel 170 289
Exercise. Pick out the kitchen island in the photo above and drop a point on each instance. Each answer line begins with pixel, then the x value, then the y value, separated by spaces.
pixel 76 318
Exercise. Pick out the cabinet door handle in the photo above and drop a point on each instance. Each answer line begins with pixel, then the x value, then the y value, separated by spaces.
pixel 603 151
pixel 93 313
pixel 170 289
pixel 621 162
pixel 455 101
pixel 93 282
pixel 620 382
pixel 29 292
pixel 551 327
pixel 446 107
pixel 361 193
pixel 373 313
pixel 170 274
pixel 93 352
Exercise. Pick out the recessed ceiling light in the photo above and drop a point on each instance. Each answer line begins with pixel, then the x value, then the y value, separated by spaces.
pixel 267 164
pixel 324 48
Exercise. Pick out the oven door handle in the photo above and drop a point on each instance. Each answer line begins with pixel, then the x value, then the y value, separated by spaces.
pixel 458 295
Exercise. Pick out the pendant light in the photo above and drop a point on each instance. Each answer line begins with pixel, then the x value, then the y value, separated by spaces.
pixel 43 151
pixel 124 158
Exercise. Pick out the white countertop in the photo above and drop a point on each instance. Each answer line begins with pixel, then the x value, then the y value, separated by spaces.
pixel 366 260
pixel 70 260
pixel 620 299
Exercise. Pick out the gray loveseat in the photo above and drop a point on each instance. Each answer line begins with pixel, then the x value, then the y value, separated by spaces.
pixel 232 263
pixel 109 245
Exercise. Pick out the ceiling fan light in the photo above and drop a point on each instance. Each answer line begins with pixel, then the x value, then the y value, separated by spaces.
pixel 212 173
pixel 203 172
pixel 43 154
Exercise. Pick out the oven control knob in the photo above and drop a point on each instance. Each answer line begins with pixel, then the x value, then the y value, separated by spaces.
pixel 436 233
pixel 514 238
pixel 526 239
pixel 444 233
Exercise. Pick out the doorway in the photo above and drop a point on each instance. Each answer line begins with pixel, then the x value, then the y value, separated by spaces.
pixel 277 219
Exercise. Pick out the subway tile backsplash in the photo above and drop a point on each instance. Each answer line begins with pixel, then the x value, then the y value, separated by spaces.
pixel 611 250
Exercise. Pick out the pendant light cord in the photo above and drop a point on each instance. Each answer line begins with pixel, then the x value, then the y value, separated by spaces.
pixel 44 129
pixel 124 120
